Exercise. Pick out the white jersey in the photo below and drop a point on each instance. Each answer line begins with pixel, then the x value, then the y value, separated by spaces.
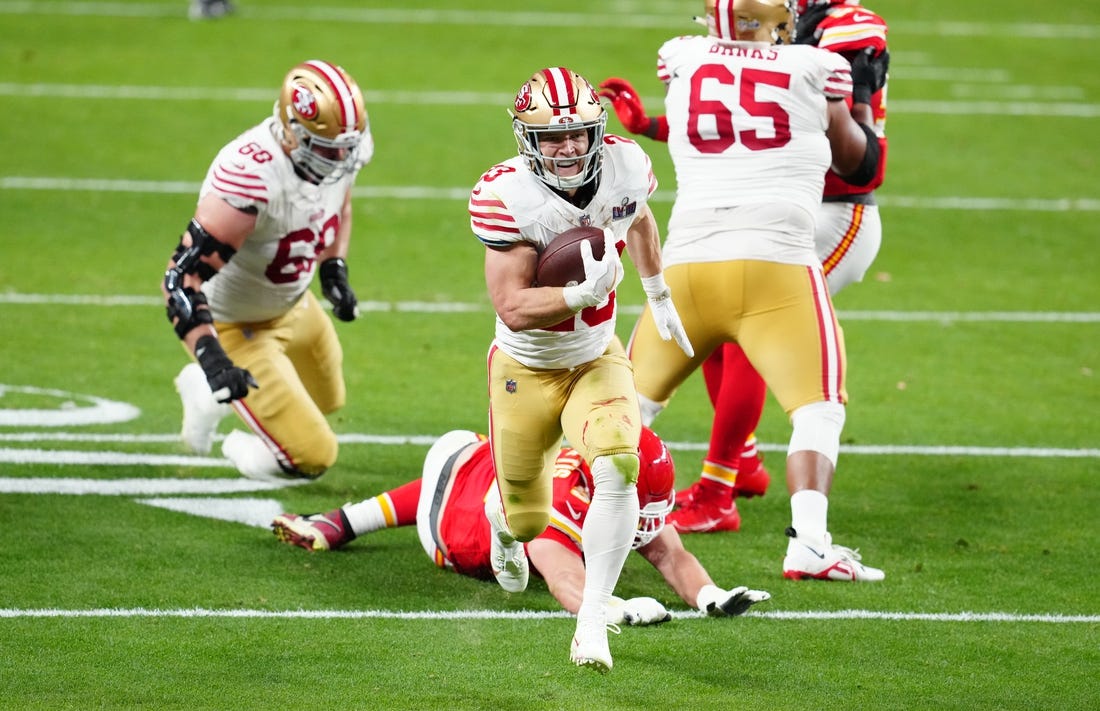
pixel 295 221
pixel 747 125
pixel 510 204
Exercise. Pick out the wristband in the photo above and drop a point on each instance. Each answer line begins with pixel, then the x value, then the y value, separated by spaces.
pixel 655 286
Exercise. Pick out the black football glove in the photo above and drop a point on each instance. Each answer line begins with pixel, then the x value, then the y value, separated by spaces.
pixel 334 285
pixel 868 74
pixel 227 381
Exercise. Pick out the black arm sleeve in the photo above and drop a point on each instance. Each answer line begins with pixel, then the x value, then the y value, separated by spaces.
pixel 868 167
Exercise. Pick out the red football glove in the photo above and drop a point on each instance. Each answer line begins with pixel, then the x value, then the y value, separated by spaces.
pixel 628 107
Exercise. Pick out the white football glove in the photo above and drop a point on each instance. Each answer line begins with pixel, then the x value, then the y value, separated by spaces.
pixel 601 276
pixel 717 602
pixel 664 312
pixel 637 611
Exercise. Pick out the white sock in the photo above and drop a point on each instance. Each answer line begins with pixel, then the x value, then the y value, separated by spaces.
pixel 607 534
pixel 810 514
pixel 371 514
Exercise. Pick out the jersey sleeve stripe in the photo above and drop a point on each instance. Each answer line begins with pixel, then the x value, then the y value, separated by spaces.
pixel 482 225
pixel 838 85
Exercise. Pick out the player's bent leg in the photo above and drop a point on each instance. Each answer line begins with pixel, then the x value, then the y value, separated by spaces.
pixel 507 557
pixel 315 351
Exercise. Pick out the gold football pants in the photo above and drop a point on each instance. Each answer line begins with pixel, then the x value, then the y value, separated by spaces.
pixel 298 362
pixel 594 405
pixel 780 314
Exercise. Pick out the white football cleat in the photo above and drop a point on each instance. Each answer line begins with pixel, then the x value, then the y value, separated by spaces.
pixel 821 560
pixel 201 412
pixel 506 555
pixel 252 458
pixel 590 648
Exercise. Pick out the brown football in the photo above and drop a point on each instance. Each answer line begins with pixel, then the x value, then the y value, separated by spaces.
pixel 560 264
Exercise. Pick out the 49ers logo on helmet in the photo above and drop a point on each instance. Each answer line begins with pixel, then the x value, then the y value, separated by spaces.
pixel 523 98
pixel 304 102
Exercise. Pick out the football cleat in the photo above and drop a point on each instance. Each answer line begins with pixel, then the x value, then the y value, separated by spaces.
pixel 752 479
pixel 252 458
pixel 706 511
pixel 589 647
pixel 808 559
pixel 506 555
pixel 314 532
pixel 201 412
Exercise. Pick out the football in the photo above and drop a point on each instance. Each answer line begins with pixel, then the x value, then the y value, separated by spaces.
pixel 560 264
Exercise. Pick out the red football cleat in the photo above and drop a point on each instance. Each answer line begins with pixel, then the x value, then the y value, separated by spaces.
pixel 706 512
pixel 752 479
pixel 314 532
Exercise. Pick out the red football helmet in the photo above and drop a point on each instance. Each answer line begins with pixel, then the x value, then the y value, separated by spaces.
pixel 656 483
pixel 804 4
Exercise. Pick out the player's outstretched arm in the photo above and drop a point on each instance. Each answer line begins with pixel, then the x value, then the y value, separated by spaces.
pixel 630 110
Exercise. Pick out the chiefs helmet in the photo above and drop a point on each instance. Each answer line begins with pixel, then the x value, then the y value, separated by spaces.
pixel 320 110
pixel 558 99
pixel 656 480
pixel 804 5
pixel 769 21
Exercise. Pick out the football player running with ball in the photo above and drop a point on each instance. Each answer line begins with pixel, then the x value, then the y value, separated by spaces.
pixel 847 236
pixel 447 506
pixel 555 365
pixel 274 209
pixel 753 124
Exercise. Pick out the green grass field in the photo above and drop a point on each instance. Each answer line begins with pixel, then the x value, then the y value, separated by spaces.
pixel 971 453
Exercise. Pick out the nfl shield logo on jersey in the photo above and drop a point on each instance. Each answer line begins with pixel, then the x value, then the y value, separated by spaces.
pixel 510 386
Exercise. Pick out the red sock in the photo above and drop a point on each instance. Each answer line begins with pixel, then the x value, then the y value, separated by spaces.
pixel 738 393
pixel 405 499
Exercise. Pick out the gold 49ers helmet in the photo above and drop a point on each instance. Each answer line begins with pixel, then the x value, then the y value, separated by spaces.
pixel 769 21
pixel 320 109
pixel 557 99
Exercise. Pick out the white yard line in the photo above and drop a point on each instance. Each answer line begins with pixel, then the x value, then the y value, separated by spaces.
pixel 423 307
pixel 429 192
pixel 20 456
pixel 434 615
pixel 1010 105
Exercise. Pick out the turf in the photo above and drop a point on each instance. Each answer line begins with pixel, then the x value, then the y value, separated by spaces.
pixel 969 465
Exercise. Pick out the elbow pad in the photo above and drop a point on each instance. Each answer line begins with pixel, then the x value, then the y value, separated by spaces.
pixel 868 168
pixel 203 244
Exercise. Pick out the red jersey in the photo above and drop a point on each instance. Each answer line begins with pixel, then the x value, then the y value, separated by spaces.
pixel 847 29
pixel 465 530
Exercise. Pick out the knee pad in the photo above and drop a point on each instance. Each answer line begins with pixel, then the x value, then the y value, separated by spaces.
pixel 615 472
pixel 817 428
